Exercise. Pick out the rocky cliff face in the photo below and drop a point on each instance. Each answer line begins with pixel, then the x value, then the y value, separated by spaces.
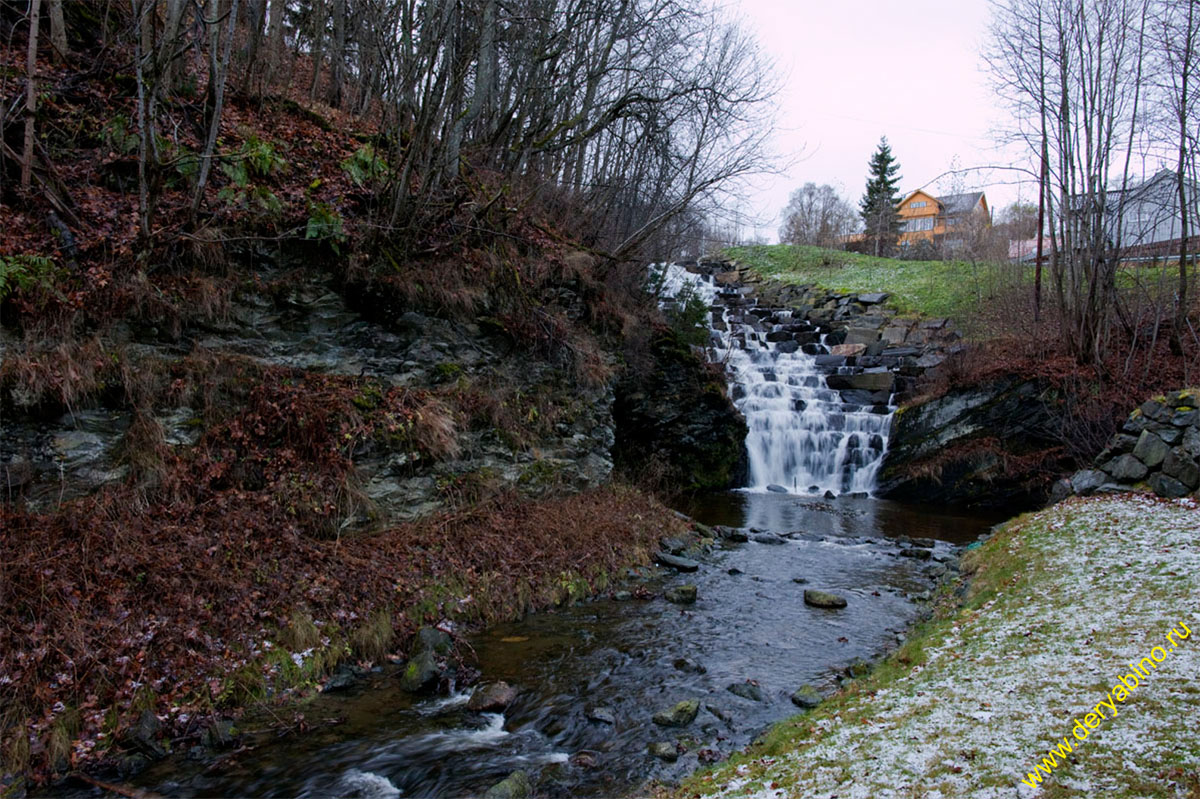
pixel 676 423
pixel 516 419
pixel 989 446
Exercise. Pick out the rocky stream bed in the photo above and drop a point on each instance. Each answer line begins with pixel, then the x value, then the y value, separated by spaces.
pixel 643 684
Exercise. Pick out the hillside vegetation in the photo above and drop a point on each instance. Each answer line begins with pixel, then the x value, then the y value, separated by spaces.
pixel 934 288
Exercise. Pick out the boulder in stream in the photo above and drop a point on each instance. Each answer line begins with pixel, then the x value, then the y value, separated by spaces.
pixel 603 715
pixel 747 690
pixel 806 697
pixel 663 750
pixel 823 599
pixel 681 715
pixel 681 594
pixel 677 563
pixel 514 786
pixel 492 697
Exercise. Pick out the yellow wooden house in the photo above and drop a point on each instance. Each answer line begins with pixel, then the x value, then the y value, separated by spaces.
pixel 929 218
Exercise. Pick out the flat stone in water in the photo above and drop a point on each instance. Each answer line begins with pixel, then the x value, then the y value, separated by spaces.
pixel 681 715
pixel 492 697
pixel 778 489
pixel 917 554
pixel 823 599
pixel 747 690
pixel 769 538
pixel 676 562
pixel 681 594
pixel 603 715
pixel 689 666
pixel 663 750
pixel 806 697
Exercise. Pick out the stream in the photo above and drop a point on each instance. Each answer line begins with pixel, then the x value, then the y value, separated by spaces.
pixel 750 622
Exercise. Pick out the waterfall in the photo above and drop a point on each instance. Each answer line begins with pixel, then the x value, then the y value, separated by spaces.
pixel 803 436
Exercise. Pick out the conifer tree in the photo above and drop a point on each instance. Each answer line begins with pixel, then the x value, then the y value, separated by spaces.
pixel 880 203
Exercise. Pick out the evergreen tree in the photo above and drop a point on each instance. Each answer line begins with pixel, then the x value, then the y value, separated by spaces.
pixel 880 203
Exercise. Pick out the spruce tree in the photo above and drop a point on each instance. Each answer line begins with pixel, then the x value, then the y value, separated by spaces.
pixel 880 203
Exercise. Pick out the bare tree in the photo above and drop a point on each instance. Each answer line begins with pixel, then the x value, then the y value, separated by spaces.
pixel 30 94
pixel 817 215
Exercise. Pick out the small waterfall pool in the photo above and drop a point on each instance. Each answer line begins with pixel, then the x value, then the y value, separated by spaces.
pixel 805 437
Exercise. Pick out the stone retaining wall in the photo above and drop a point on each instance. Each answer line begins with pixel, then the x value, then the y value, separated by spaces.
pixel 1157 449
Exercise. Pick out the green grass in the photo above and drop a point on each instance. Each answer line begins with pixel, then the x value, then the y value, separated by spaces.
pixel 978 692
pixel 933 288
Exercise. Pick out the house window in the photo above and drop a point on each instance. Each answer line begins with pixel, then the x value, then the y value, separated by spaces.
pixel 913 225
pixel 918 204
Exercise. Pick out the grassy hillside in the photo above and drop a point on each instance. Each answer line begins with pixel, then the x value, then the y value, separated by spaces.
pixel 934 288
pixel 1061 603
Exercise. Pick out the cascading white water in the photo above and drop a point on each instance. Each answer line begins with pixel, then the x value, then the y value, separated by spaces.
pixel 802 436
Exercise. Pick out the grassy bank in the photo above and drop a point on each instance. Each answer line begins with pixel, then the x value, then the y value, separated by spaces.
pixel 1060 604
pixel 934 288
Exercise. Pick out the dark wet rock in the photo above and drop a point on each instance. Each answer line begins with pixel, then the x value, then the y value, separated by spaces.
pixel 778 489
pixel 344 677
pixel 747 690
pixel 830 495
pixel 1127 469
pixel 492 697
pixel 219 735
pixel 431 639
pixel 681 715
pixel 676 562
pixel 663 750
pixel 1086 481
pixel 1168 487
pixel 935 571
pixel 965 437
pixel 800 580
pixel 1182 468
pixel 681 594
pixel 858 495
pixel 873 298
pixel 678 413
pixel 734 571
pixel 1150 449
pixel 585 760
pixel 769 538
pixel 734 535
pixel 421 672
pixel 823 599
pixel 689 666
pixel 674 545
pixel 916 553
pixel 858 668
pixel 719 712
pixel 806 696
pixel 143 736
pixel 514 786
pixel 602 715
pixel 863 381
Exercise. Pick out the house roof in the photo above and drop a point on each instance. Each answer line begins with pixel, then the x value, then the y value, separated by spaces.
pixel 957 203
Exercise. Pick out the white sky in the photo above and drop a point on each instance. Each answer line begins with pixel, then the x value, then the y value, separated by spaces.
pixel 853 70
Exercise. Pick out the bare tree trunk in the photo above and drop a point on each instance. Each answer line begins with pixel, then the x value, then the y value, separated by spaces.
pixel 30 94
pixel 58 30
pixel 214 127
pixel 258 13
pixel 318 47
pixel 1186 55
pixel 337 55
pixel 275 47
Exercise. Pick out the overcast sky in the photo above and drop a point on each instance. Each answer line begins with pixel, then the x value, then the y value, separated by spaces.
pixel 854 70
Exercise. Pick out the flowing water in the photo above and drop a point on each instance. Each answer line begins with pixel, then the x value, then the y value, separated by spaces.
pixel 634 656
pixel 804 436
pixel 751 624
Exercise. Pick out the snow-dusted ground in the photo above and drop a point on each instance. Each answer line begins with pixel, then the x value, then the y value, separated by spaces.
pixel 1082 590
